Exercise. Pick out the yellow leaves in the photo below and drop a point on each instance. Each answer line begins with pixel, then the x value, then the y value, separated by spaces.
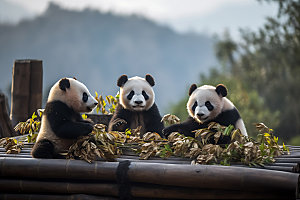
pixel 31 127
pixel 106 105
pixel 267 135
pixel 84 116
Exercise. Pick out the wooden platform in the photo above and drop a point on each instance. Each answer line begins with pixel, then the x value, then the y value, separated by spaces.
pixel 23 177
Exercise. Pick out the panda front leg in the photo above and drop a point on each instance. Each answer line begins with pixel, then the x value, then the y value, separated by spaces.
pixel 72 130
pixel 186 128
pixel 44 149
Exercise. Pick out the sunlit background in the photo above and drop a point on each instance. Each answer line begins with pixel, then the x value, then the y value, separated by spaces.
pixel 178 42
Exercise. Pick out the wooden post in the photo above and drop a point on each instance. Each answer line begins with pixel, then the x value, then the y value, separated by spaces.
pixel 26 91
pixel 6 129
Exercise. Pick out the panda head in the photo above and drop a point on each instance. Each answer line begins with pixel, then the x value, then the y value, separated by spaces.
pixel 74 94
pixel 206 102
pixel 136 93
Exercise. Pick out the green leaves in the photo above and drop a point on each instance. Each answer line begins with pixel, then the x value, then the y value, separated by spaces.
pixel 31 127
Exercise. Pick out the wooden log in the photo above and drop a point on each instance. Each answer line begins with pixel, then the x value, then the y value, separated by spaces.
pixel 26 92
pixel 195 176
pixel 6 129
pixel 53 196
pixel 137 190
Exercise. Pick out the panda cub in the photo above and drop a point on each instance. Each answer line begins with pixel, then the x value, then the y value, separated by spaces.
pixel 208 104
pixel 61 122
pixel 136 106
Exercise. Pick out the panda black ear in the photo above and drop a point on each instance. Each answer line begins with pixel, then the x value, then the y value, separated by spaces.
pixel 122 80
pixel 221 90
pixel 64 84
pixel 192 89
pixel 150 79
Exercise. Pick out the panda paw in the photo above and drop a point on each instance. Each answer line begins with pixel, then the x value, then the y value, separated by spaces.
pixel 119 123
pixel 88 120
pixel 167 131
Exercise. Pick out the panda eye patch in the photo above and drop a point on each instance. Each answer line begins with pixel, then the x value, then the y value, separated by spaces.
pixel 194 106
pixel 209 106
pixel 145 95
pixel 84 97
pixel 130 95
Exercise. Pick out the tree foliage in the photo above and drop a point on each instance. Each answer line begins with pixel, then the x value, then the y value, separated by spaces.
pixel 262 71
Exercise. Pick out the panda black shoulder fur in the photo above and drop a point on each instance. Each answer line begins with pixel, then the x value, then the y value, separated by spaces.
pixel 61 122
pixel 136 106
pixel 208 104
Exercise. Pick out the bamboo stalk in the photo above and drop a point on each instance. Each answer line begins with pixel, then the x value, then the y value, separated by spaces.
pixel 15 156
pixel 58 187
pixel 137 190
pixel 195 176
pixel 288 160
pixel 214 177
pixel 292 167
pixel 166 192
pixel 294 154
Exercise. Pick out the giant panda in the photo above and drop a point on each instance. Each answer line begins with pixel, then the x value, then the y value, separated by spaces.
pixel 61 122
pixel 136 106
pixel 208 104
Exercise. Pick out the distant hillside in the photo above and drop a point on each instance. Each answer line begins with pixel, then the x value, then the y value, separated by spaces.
pixel 98 47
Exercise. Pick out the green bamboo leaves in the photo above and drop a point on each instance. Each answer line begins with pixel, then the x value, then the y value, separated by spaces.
pixel 106 105
pixel 30 127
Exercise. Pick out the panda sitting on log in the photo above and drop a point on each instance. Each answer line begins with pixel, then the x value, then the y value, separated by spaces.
pixel 61 122
pixel 208 104
pixel 136 106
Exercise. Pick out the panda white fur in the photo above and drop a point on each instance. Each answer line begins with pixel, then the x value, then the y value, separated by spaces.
pixel 208 104
pixel 61 122
pixel 136 106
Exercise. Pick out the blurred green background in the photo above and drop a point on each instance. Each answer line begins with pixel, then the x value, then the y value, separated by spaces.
pixel 262 74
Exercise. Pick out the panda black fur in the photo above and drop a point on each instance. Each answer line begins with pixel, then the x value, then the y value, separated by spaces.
pixel 208 104
pixel 136 106
pixel 61 122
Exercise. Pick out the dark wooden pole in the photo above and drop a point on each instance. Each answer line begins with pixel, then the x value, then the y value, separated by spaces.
pixel 26 91
pixel 6 129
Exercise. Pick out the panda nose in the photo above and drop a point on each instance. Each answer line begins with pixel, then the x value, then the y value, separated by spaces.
pixel 138 102
pixel 200 114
